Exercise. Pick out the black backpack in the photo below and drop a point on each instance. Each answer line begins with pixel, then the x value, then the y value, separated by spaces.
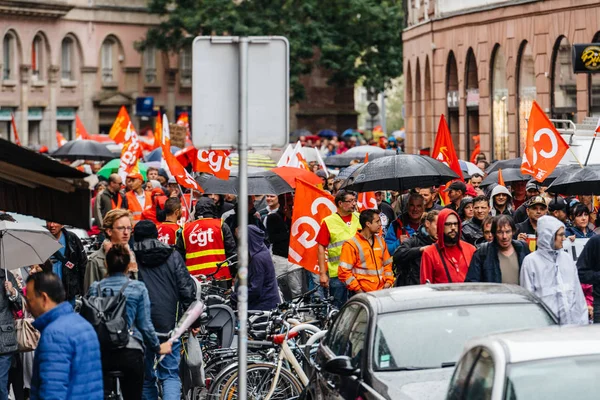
pixel 108 316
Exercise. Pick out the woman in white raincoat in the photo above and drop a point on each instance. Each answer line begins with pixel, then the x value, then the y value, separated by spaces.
pixel 551 274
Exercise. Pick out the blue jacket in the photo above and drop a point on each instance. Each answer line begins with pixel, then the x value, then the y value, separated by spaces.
pixel 138 306
pixel 572 230
pixel 398 226
pixel 67 363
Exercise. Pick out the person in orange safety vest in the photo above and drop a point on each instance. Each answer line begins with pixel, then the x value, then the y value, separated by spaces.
pixel 206 242
pixel 365 263
pixel 137 198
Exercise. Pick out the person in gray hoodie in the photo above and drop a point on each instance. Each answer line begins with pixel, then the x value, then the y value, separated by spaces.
pixel 551 274
pixel 500 201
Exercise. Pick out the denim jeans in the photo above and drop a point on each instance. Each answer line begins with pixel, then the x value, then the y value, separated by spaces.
pixel 339 292
pixel 5 363
pixel 166 372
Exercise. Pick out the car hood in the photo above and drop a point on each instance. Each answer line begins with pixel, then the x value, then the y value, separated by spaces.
pixel 428 384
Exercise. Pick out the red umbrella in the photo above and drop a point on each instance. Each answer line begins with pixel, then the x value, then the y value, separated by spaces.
pixel 289 174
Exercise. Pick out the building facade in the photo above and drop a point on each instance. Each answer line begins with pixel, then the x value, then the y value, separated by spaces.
pixel 481 63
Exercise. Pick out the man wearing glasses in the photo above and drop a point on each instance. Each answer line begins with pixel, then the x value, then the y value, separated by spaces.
pixel 335 230
pixel 447 261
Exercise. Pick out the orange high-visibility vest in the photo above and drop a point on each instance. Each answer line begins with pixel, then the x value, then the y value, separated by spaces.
pixel 167 232
pixel 205 247
pixel 134 205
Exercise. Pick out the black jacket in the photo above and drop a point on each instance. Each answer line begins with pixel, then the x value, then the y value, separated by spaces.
pixel 106 199
pixel 8 333
pixel 72 277
pixel 407 258
pixel 485 265
pixel 520 214
pixel 278 230
pixel 588 268
pixel 472 231
pixel 524 227
pixel 164 273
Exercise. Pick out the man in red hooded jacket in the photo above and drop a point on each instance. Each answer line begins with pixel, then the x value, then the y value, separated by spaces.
pixel 447 261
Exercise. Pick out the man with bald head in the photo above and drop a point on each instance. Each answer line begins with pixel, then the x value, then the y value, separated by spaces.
pixel 112 198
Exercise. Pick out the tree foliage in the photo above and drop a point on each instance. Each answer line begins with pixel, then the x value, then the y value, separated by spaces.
pixel 355 38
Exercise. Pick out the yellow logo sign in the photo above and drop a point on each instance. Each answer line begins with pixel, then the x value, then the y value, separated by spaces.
pixel 591 57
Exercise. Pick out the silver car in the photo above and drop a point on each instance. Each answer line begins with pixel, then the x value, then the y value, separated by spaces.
pixel 541 364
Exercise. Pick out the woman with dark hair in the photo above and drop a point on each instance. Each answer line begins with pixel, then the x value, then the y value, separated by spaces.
pixel 465 210
pixel 580 217
pixel 130 360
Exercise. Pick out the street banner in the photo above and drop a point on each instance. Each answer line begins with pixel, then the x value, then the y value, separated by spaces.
pixel 60 139
pixel 366 200
pixel 544 147
pixel 119 127
pixel 175 168
pixel 14 126
pixel 311 205
pixel 80 131
pixel 214 162
pixel 130 153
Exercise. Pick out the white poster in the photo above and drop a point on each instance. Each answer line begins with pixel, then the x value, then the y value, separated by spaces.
pixel 574 248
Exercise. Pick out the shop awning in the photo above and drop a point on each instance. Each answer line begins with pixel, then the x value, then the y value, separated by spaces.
pixel 36 185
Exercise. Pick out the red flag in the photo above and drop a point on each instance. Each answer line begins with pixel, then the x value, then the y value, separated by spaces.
pixel 60 139
pixel 80 131
pixel 14 126
pixel 119 127
pixel 214 162
pixel 544 146
pixel 500 178
pixel 179 173
pixel 443 149
pixel 157 130
pixel 310 207
pixel 476 150
pixel 130 153
pixel 366 200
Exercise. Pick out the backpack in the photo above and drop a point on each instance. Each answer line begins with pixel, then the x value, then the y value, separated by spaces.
pixel 108 316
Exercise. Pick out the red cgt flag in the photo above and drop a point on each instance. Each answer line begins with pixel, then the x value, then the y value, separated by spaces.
pixel 179 173
pixel 366 200
pixel 311 205
pixel 130 153
pixel 214 162
pixel 119 127
pixel 80 131
pixel 443 151
pixel 544 147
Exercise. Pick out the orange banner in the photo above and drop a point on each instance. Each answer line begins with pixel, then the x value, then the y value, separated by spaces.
pixel 179 173
pixel 130 153
pixel 80 131
pixel 311 205
pixel 214 162
pixel 119 127
pixel 544 147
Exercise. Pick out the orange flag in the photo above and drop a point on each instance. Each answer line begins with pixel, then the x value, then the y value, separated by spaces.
pixel 179 173
pixel 80 131
pixel 443 151
pixel 60 139
pixel 544 147
pixel 14 126
pixel 476 150
pixel 157 130
pixel 214 162
pixel 130 153
pixel 500 178
pixel 366 200
pixel 311 205
pixel 119 127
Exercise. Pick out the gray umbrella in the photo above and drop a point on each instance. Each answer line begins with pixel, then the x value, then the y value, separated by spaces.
pixel 504 164
pixel 346 172
pixel 508 174
pixel 84 150
pixel 358 153
pixel 576 180
pixel 400 172
pixel 265 182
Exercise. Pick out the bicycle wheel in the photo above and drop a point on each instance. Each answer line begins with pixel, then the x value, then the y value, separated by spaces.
pixel 259 380
pixel 217 385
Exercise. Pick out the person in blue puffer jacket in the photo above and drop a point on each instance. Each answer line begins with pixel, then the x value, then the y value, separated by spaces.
pixel 67 362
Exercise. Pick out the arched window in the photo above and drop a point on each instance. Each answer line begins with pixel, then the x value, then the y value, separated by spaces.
pixel 428 105
pixel 452 97
pixel 594 86
pixel 499 105
pixel 526 90
pixel 38 58
pixel 9 56
pixel 409 104
pixel 472 96
pixel 564 86
pixel 185 66
pixel 110 56
pixel 418 108
pixel 67 59
pixel 150 70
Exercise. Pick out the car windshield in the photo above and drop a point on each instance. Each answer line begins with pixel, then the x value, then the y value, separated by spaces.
pixel 546 379
pixel 434 338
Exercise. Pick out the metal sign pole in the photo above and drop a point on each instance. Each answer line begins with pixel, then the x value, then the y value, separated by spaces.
pixel 243 220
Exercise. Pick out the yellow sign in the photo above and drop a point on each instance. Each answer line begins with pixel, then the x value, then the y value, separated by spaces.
pixel 591 57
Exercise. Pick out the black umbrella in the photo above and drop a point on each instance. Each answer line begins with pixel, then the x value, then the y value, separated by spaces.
pixel 508 174
pixel 265 182
pixel 83 150
pixel 400 172
pixel 555 174
pixel 504 164
pixel 358 153
pixel 346 172
pixel 576 180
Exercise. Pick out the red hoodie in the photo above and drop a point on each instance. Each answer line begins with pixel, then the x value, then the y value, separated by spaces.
pixel 457 258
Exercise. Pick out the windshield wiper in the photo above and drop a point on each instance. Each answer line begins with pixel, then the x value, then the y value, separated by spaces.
pixel 413 368
pixel 448 364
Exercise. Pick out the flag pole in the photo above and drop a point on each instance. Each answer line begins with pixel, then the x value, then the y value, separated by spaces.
pixel 187 207
pixel 590 150
pixel 575 157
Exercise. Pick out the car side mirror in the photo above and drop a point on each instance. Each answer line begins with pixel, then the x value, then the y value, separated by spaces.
pixel 341 365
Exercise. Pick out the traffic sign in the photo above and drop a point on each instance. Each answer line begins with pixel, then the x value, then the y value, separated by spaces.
pixel 373 109
pixel 216 91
